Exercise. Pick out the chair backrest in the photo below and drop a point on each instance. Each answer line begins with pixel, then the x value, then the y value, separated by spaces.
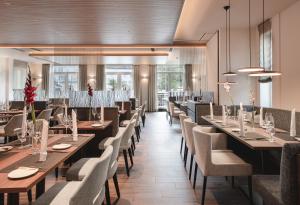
pixel 115 143
pixel 128 133
pixel 58 110
pixel 182 117
pixel 188 126
pixel 171 108
pixel 92 184
pixel 139 112
pixel 203 149
pixel 143 109
pixel 59 118
pixel 14 123
pixel 45 114
pixel 289 173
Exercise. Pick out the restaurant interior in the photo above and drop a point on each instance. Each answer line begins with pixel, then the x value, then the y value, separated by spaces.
pixel 142 102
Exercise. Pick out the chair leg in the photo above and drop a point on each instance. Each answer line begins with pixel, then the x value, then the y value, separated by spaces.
pixel 250 189
pixel 137 134
pixel 203 190
pixel 116 183
pixel 107 194
pixel 29 195
pixel 186 155
pixel 133 141
pixel 195 175
pixel 181 145
pixel 143 120
pixel 132 149
pixel 126 162
pixel 191 166
pixel 130 156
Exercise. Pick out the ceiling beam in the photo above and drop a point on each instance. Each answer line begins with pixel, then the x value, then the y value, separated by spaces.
pixel 175 45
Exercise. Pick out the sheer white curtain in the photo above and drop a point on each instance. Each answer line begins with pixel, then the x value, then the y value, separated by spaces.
pixel 82 77
pixel 137 81
pixel 45 78
pixel 100 77
pixel 151 102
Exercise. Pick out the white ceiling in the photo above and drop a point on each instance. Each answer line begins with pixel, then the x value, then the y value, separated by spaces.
pixel 200 18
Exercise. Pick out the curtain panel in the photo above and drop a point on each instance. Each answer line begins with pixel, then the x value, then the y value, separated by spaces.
pixel 137 81
pixel 100 77
pixel 82 77
pixel 151 102
pixel 188 80
pixel 45 78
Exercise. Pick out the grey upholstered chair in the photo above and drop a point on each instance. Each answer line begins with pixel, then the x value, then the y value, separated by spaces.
pixel 90 190
pixel 217 162
pixel 282 189
pixel 79 170
pixel 8 131
pixel 45 114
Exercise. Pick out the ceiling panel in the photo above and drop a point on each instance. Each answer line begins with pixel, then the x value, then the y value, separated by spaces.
pixel 89 21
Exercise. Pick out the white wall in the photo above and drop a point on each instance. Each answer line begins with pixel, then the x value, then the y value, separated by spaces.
pixel 286 57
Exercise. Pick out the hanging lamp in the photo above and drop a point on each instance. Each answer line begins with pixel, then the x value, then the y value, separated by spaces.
pixel 228 38
pixel 264 73
pixel 251 68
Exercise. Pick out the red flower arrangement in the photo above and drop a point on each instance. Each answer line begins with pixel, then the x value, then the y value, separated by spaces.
pixel 29 92
pixel 90 90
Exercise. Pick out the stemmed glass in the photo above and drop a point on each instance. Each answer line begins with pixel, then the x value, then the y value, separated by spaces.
pixel 66 123
pixel 94 113
pixel 21 138
pixel 270 126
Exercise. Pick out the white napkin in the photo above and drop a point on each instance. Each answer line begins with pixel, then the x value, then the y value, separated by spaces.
pixel 293 123
pixel 102 114
pixel 44 141
pixel 74 125
pixel 241 123
pixel 223 114
pixel 24 123
pixel 123 105
pixel 241 106
pixel 211 111
pixel 66 111
pixel 261 117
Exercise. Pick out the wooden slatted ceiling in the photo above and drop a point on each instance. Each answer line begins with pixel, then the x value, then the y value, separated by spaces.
pixel 89 21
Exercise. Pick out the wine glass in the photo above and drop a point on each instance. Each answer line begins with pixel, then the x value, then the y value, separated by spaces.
pixel 66 123
pixel 94 113
pixel 21 138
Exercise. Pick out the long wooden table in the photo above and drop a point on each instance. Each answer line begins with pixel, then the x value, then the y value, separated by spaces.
pixel 260 145
pixel 23 157
pixel 85 126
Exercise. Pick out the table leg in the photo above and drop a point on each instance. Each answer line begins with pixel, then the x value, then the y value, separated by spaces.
pixel 13 199
pixel 1 198
pixel 262 162
pixel 40 188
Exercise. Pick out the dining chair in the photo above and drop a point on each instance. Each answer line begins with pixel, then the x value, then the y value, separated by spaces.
pixel 8 131
pixel 45 114
pixel 90 190
pixel 79 169
pixel 218 162
pixel 284 188
pixel 126 146
pixel 174 113
pixel 143 114
pixel 182 117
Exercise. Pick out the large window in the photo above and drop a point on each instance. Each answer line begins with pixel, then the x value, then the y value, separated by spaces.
pixel 169 79
pixel 64 79
pixel 119 77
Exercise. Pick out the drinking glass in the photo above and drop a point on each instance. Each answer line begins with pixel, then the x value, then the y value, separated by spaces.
pixel 66 123
pixel 94 113
pixel 21 138
pixel 270 126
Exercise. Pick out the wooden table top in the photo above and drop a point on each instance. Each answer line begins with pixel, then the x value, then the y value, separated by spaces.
pixel 85 125
pixel 23 157
pixel 11 112
pixel 261 144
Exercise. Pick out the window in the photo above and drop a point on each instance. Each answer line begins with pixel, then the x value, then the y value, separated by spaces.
pixel 63 79
pixel 119 77
pixel 265 38
pixel 169 79
pixel 19 73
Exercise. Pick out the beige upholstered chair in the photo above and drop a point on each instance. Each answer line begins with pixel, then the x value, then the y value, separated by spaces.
pixel 174 113
pixel 182 117
pixel 45 114
pixel 79 170
pixel 90 190
pixel 8 131
pixel 217 162
pixel 143 113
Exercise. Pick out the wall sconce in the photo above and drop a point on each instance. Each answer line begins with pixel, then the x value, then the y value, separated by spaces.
pixel 144 77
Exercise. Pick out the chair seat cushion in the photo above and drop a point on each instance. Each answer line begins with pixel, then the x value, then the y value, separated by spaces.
pixel 226 163
pixel 78 170
pixel 268 187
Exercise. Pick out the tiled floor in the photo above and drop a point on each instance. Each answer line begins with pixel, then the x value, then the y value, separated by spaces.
pixel 158 175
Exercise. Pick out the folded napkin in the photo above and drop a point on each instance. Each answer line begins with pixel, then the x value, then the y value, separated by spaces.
pixel 44 141
pixel 241 106
pixel 123 108
pixel 241 123
pixel 293 123
pixel 223 114
pixel 102 114
pixel 74 125
pixel 66 110
pixel 24 123
pixel 211 111
pixel 261 117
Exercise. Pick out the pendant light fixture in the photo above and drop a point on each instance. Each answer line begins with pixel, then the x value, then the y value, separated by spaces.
pixel 228 38
pixel 264 73
pixel 251 68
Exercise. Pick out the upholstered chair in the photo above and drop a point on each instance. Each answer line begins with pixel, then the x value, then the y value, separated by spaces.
pixel 182 117
pixel 8 131
pixel 45 114
pixel 217 162
pixel 174 113
pixel 90 190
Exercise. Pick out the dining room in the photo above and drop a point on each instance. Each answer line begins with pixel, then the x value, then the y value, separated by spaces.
pixel 137 102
